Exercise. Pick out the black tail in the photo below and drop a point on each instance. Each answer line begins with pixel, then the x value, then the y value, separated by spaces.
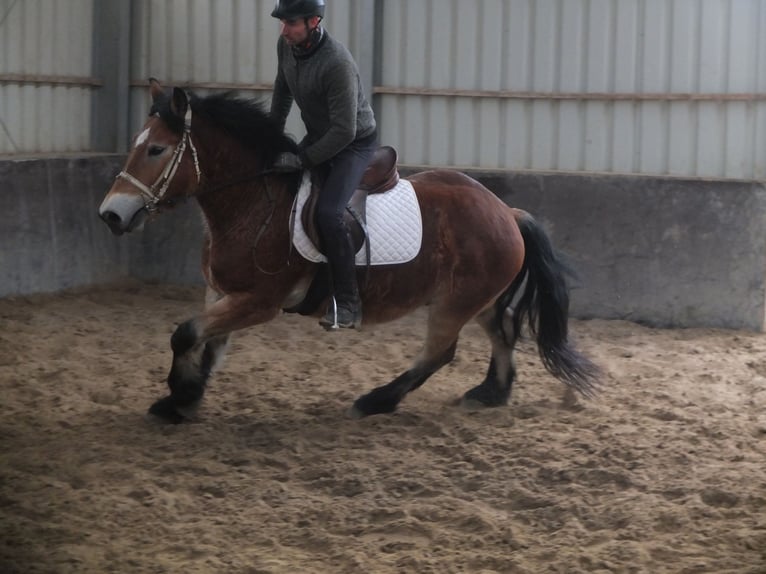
pixel 542 299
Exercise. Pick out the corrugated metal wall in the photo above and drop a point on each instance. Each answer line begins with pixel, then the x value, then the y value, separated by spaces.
pixel 637 86
pixel 45 69
pixel 221 44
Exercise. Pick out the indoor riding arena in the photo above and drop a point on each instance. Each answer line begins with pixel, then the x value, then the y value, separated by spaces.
pixel 633 131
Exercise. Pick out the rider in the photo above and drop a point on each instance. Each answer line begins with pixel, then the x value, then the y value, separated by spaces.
pixel 320 75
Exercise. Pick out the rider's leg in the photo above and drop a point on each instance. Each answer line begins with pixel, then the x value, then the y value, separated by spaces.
pixel 346 311
pixel 343 174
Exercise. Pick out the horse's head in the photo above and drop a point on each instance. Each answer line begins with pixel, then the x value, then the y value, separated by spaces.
pixel 161 168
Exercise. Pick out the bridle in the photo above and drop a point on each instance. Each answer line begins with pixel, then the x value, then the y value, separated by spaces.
pixel 153 195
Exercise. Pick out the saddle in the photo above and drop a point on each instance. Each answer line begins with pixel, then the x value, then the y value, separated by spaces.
pixel 381 175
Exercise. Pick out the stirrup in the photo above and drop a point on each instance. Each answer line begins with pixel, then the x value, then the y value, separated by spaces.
pixel 331 321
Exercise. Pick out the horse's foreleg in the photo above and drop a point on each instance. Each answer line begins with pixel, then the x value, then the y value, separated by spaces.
pixel 188 378
pixel 198 346
pixel 495 390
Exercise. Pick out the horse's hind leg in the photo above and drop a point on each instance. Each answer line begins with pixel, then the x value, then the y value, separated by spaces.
pixel 438 350
pixel 495 390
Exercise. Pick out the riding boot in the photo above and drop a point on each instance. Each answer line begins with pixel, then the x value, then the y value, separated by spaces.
pixel 345 308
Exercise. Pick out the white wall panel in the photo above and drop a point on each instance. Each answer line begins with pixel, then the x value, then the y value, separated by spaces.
pixel 45 58
pixel 216 45
pixel 544 40
pixel 639 86
pixel 518 55
pixel 684 43
pixel 221 44
pixel 682 137
pixel 570 118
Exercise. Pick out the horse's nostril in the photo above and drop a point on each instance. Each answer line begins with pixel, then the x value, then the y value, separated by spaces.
pixel 111 218
pixel 114 221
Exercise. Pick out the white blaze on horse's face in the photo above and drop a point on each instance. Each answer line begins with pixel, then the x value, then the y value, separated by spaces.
pixel 123 208
pixel 151 143
pixel 142 137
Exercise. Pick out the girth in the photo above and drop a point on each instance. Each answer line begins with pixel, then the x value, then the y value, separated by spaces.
pixel 380 176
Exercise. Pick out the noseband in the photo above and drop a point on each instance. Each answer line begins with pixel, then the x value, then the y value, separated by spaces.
pixel 153 195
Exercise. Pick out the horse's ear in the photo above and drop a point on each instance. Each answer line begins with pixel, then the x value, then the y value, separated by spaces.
pixel 155 89
pixel 179 103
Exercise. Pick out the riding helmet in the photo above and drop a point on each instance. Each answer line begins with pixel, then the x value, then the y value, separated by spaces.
pixel 296 9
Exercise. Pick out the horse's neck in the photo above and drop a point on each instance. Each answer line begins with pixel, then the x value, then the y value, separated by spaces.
pixel 225 205
pixel 229 171
pixel 237 197
pixel 239 216
pixel 224 161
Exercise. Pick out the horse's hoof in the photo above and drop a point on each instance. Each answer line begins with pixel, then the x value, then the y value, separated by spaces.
pixel 165 410
pixel 481 397
pixel 373 403
pixel 570 401
pixel 355 413
pixel 472 405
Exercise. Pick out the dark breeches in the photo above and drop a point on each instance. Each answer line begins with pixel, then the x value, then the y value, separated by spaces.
pixel 341 176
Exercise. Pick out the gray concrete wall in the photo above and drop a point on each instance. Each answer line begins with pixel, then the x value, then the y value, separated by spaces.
pixel 667 252
pixel 662 251
pixel 51 237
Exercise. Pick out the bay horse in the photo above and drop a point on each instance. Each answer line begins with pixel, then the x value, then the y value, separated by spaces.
pixel 479 259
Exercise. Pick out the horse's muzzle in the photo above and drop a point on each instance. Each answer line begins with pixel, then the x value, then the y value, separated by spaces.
pixel 123 213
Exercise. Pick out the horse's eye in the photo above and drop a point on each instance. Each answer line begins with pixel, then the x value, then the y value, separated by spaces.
pixel 155 150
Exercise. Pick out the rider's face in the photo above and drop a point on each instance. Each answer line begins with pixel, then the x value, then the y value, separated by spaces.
pixel 297 31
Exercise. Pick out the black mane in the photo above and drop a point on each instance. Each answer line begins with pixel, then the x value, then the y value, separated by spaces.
pixel 244 120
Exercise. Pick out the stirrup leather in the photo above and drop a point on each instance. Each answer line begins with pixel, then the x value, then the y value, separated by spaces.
pixel 332 310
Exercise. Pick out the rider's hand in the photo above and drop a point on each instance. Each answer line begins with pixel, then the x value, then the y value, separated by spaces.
pixel 287 162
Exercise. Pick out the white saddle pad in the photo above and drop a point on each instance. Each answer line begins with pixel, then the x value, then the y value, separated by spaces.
pixel 394 226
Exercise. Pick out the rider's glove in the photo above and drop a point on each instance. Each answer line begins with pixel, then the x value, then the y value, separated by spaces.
pixel 287 162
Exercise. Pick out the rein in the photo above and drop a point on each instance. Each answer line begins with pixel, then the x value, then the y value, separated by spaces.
pixel 153 195
pixel 262 174
pixel 262 230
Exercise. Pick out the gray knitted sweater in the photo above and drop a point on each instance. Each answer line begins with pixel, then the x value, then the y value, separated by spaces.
pixel 327 88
